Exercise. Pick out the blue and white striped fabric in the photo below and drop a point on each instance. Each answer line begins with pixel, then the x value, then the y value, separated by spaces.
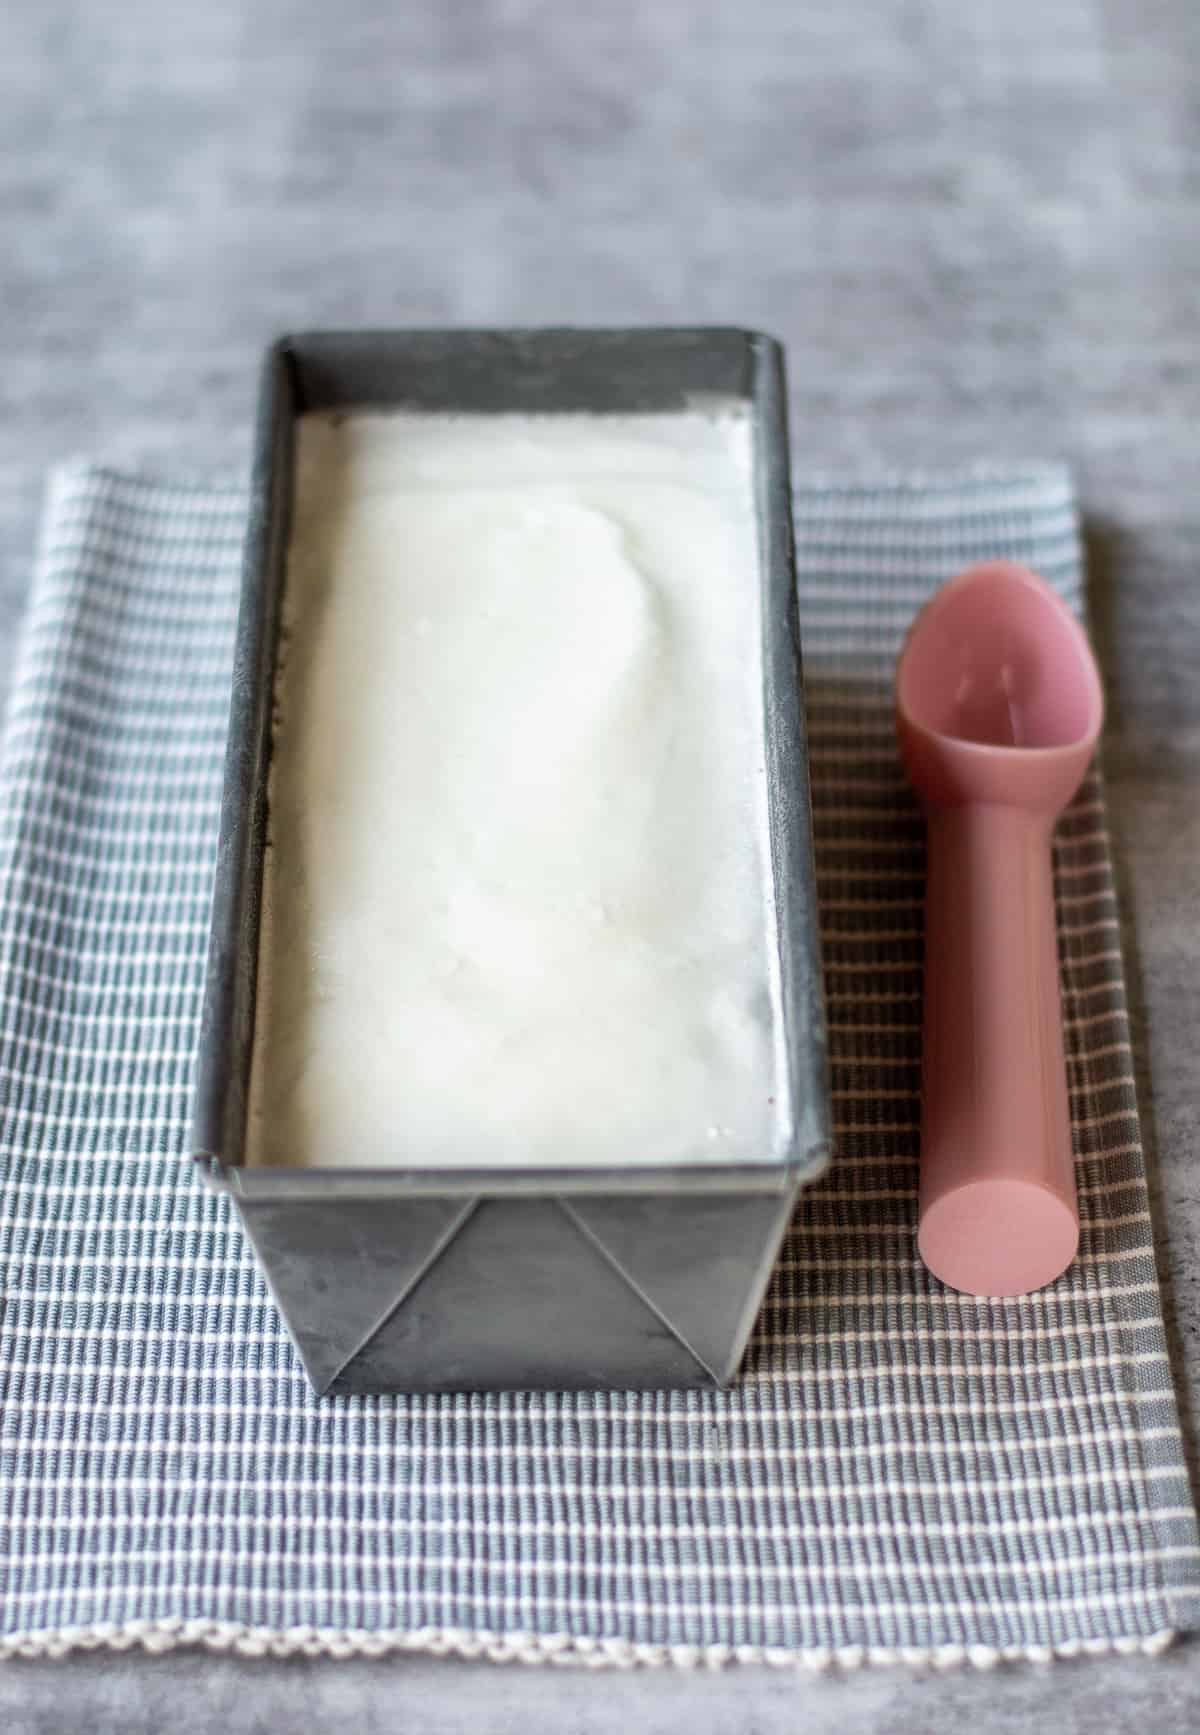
pixel 902 1472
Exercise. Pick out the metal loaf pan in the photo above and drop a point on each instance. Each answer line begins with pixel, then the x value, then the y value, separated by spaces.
pixel 443 1280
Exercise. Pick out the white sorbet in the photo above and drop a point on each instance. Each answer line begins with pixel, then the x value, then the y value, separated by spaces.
pixel 518 899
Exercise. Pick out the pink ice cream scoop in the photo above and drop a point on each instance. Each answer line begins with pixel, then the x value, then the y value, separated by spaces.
pixel 999 709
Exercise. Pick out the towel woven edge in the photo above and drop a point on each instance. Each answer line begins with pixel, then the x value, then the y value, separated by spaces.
pixel 539 1649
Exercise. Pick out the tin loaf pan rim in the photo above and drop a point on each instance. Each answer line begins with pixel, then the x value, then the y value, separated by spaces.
pixel 534 370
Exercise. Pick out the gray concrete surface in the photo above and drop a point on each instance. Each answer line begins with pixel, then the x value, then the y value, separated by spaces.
pixel 976 226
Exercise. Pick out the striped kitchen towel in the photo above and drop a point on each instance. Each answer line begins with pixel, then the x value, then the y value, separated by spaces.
pixel 901 1472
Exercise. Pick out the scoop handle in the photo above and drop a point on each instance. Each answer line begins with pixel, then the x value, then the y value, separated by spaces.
pixel 998 1208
